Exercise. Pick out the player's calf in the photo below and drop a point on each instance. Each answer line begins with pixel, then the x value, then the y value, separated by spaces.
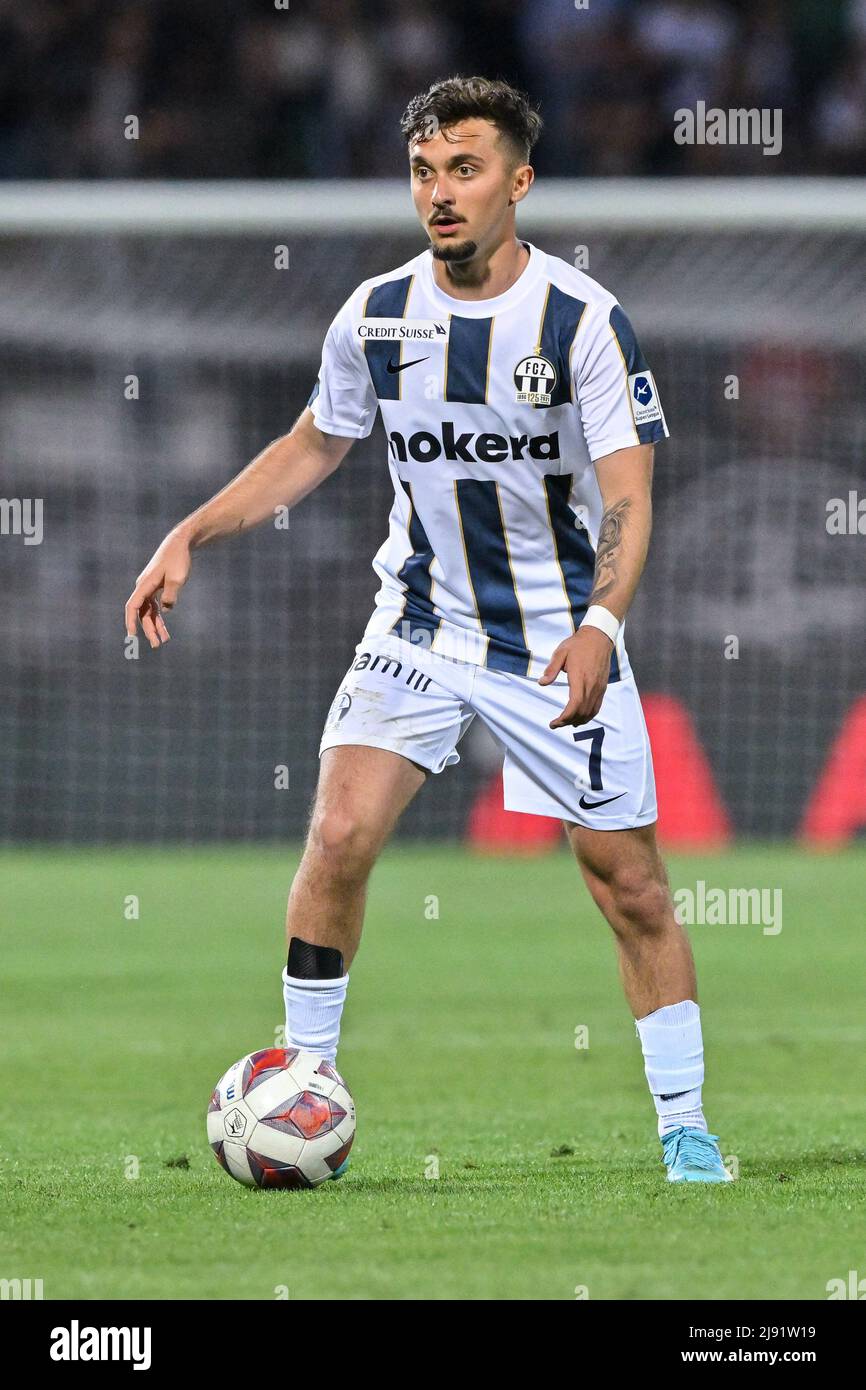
pixel 361 794
pixel 626 876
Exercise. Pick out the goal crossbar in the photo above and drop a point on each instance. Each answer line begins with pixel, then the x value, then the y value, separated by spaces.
pixel 229 207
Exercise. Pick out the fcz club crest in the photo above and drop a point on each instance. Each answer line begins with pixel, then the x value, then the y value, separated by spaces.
pixel 535 378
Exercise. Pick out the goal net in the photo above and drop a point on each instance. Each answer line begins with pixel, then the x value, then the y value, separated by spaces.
pixel 153 338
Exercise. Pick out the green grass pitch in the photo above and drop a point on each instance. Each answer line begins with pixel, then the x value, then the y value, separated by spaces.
pixel 459 1046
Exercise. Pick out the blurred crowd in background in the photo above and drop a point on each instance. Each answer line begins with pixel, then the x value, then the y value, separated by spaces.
pixel 315 88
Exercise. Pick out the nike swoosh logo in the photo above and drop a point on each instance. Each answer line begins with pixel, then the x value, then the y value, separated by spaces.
pixel 591 805
pixel 395 367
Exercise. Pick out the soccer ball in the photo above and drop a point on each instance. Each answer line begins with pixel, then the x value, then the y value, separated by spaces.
pixel 281 1118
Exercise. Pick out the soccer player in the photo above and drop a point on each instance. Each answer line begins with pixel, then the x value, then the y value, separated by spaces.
pixel 520 418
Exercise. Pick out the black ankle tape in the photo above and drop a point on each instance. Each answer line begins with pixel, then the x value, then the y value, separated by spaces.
pixel 308 962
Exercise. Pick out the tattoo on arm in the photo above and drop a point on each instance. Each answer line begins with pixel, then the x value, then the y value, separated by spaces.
pixel 607 552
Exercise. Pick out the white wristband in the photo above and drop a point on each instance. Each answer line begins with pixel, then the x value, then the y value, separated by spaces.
pixel 603 619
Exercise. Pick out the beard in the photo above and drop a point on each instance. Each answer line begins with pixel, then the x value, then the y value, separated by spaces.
pixel 454 250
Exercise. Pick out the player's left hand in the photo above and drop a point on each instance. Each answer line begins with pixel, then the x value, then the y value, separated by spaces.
pixel 585 658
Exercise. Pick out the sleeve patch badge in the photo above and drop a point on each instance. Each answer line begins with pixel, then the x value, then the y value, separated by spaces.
pixel 644 398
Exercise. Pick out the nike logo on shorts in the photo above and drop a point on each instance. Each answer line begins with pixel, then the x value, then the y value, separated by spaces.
pixel 591 805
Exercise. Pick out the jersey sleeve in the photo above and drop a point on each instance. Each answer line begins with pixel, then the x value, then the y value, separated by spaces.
pixel 614 388
pixel 343 400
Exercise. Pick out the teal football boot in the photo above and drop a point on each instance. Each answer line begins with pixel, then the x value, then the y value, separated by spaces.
pixel 692 1155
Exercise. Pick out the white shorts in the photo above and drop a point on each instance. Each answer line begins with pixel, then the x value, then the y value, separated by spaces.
pixel 412 701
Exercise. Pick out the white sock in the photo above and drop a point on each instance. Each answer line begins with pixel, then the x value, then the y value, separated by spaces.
pixel 673 1052
pixel 313 1012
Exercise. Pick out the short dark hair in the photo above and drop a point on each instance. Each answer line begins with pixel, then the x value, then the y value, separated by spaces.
pixel 458 98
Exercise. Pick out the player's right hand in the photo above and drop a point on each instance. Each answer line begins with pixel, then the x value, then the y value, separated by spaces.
pixel 157 587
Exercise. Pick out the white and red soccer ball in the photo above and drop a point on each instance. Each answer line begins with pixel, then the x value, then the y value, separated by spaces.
pixel 281 1118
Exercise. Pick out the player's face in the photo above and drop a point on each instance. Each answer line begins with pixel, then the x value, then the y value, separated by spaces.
pixel 464 185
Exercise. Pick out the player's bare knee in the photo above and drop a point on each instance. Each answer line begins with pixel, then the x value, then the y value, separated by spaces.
pixel 640 899
pixel 342 842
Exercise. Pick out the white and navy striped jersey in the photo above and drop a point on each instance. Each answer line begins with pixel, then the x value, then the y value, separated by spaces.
pixel 494 411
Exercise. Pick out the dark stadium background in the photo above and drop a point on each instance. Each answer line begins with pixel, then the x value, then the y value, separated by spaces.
pixel 230 91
